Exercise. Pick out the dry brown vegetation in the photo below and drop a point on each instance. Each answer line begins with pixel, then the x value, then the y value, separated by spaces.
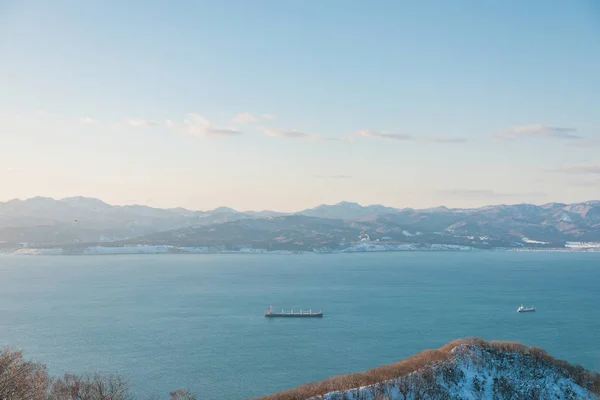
pixel 26 380
pixel 403 368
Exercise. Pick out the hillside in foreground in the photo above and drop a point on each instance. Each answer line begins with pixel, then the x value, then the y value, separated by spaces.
pixel 463 369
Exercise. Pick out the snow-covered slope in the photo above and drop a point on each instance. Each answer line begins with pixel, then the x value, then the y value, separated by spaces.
pixel 471 369
pixel 476 373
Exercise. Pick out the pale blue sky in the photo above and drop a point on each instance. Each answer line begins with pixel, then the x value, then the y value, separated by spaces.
pixel 288 104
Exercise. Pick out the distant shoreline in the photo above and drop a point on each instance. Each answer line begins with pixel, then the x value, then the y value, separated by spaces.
pixel 175 250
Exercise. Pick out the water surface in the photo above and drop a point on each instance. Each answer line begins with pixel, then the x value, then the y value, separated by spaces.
pixel 196 321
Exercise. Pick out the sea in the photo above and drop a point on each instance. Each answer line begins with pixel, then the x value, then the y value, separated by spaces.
pixel 197 321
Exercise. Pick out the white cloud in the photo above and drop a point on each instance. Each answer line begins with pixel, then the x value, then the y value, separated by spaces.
pixel 142 123
pixel 538 131
pixel 245 118
pixel 199 126
pixel 88 121
pixel 385 135
pixel 248 118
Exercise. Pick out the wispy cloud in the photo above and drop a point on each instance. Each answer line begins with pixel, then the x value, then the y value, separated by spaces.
pixel 341 176
pixel 537 131
pixel 405 137
pixel 579 169
pixel 386 135
pixel 248 118
pixel 88 121
pixel 197 125
pixel 442 139
pixel 194 124
pixel 291 134
pixel 142 123
pixel 245 118
pixel 486 193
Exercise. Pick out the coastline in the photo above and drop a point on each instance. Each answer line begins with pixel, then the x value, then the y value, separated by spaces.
pixel 360 248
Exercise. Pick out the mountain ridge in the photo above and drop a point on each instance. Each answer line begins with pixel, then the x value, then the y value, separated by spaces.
pixel 463 369
pixel 75 221
pixel 344 203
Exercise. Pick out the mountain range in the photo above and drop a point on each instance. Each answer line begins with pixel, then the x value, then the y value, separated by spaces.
pixel 81 221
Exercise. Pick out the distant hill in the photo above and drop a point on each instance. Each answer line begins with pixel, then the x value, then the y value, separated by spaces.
pixel 347 210
pixel 464 369
pixel 83 221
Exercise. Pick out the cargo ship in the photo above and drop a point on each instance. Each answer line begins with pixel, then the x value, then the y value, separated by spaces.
pixel 291 314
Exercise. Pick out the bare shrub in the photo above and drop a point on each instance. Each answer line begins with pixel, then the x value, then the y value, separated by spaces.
pixel 91 387
pixel 182 395
pixel 418 386
pixel 26 380
pixel 508 347
pixel 20 379
pixel 404 386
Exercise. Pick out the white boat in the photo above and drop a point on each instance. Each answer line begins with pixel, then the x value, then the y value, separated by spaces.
pixel 525 309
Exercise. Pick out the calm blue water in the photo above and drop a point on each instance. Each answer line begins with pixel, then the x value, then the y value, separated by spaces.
pixel 196 321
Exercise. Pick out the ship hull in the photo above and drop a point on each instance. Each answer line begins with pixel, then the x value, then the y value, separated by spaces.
pixel 521 311
pixel 315 315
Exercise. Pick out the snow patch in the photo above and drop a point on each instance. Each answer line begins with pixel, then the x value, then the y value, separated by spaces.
pixel 128 250
pixel 142 249
pixel 565 217
pixel 531 241
pixel 447 247
pixel 371 247
pixel 38 252
pixel 475 373
pixel 582 245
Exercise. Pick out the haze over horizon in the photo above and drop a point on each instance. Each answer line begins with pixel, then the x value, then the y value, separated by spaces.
pixel 401 104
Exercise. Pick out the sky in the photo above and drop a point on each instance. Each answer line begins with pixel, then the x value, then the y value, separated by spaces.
pixel 285 105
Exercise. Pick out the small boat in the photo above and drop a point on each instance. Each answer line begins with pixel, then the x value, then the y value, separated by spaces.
pixel 525 309
pixel 301 314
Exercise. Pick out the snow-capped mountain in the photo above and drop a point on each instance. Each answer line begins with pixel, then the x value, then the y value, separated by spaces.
pixel 46 221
